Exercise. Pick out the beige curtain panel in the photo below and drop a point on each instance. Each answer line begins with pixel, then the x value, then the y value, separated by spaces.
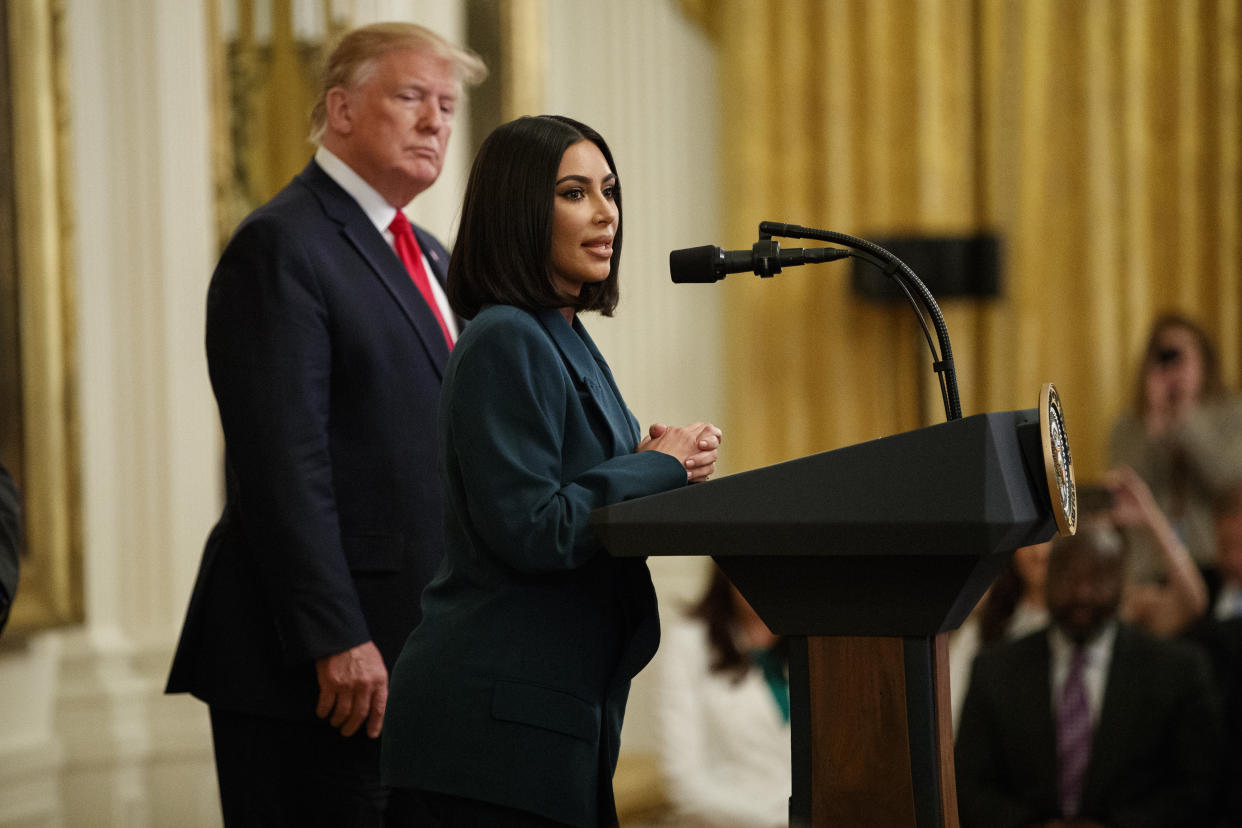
pixel 1099 139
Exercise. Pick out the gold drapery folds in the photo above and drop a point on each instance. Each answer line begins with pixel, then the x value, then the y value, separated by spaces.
pixel 265 73
pixel 1100 140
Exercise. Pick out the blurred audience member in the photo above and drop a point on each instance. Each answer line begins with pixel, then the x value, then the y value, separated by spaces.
pixel 1090 722
pixel 10 543
pixel 1230 677
pixel 1215 630
pixel 1223 641
pixel 724 714
pixel 1013 607
pixel 1183 436
pixel 1163 608
pixel 1226 586
pixel 1219 631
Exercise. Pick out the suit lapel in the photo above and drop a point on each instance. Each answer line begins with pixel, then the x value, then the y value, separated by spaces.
pixel 591 372
pixel 382 261
pixel 1121 711
pixel 1039 700
pixel 439 258
pixel 434 253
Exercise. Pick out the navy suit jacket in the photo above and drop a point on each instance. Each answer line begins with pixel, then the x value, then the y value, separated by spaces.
pixel 1155 752
pixel 513 688
pixel 326 364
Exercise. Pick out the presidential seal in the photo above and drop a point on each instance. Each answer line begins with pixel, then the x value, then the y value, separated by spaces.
pixel 1058 465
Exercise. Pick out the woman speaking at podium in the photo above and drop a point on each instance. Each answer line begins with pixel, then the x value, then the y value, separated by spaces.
pixel 506 703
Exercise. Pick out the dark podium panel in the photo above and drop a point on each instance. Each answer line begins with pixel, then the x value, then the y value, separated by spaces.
pixel 866 556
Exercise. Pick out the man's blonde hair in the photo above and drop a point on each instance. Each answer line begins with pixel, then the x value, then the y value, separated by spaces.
pixel 353 60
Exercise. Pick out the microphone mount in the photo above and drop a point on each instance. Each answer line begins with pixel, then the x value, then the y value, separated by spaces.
pixel 765 258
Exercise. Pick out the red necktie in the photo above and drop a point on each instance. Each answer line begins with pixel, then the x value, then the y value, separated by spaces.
pixel 412 257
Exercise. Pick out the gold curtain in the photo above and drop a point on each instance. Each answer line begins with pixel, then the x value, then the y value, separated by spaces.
pixel 1098 139
pixel 265 79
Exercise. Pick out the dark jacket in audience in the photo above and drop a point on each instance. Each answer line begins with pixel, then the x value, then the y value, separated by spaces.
pixel 1155 753
pixel 1222 640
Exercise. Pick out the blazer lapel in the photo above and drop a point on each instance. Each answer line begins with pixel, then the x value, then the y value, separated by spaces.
pixel 383 262
pixel 591 372
pixel 631 432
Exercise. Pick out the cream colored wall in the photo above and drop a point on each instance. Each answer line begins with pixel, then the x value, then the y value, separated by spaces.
pixel 107 747
pixel 86 736
pixel 644 77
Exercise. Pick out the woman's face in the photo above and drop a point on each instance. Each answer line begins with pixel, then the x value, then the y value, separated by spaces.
pixel 1176 366
pixel 585 218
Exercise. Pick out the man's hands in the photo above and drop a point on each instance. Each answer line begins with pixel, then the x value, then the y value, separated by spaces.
pixel 695 445
pixel 353 687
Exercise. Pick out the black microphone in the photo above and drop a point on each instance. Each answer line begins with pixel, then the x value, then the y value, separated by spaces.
pixel 765 258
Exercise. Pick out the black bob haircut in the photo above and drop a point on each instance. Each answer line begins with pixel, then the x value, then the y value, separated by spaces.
pixel 504 243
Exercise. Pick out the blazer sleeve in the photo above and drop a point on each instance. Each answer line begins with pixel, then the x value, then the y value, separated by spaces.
pixel 528 494
pixel 269 356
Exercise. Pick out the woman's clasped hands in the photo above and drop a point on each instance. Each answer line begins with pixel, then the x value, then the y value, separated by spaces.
pixel 695 446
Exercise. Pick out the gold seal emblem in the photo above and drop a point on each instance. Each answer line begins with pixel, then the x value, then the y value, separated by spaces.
pixel 1058 464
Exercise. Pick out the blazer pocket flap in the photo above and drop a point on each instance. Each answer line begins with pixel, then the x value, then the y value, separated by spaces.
pixel 543 707
pixel 372 553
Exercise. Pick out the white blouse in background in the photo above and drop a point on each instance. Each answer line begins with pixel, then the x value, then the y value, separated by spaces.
pixel 724 745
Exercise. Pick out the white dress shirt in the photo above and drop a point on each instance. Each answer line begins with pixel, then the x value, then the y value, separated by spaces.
pixel 1095 671
pixel 725 747
pixel 381 214
pixel 1228 603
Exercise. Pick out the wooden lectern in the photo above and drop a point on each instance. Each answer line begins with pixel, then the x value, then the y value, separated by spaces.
pixel 866 557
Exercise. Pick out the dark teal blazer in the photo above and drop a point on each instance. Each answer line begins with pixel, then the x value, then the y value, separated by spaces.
pixel 513 687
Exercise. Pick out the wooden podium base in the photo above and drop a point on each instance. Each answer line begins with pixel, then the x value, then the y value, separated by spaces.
pixel 862 557
pixel 879 748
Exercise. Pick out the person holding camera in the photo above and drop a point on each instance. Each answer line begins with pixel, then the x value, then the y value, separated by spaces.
pixel 1183 436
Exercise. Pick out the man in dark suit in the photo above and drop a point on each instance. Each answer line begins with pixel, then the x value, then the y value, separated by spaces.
pixel 326 343
pixel 1090 722
pixel 1219 632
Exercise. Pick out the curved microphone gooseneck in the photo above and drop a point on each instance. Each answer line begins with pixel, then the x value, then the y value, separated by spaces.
pixel 895 268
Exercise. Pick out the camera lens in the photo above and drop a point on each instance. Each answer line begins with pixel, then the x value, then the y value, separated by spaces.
pixel 1167 356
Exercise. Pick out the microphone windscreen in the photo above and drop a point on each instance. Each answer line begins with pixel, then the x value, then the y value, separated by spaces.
pixel 694 264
